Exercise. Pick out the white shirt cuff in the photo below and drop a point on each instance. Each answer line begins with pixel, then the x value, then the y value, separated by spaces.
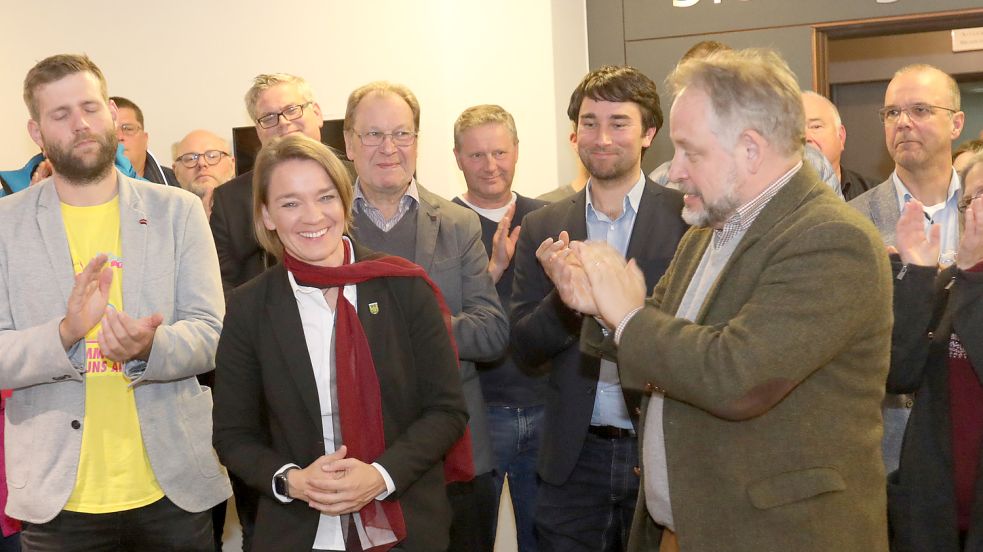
pixel 280 497
pixel 390 486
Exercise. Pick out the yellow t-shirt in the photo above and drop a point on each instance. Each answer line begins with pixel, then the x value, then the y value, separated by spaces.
pixel 114 471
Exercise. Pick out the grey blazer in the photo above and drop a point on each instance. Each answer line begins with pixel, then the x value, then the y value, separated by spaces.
pixel 449 248
pixel 880 205
pixel 171 268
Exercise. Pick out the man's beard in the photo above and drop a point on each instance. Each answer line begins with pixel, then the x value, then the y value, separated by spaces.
pixel 717 213
pixel 79 170
pixel 619 168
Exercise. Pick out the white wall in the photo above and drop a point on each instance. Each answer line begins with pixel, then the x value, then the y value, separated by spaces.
pixel 526 55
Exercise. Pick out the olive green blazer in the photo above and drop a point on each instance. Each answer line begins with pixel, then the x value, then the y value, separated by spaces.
pixel 772 416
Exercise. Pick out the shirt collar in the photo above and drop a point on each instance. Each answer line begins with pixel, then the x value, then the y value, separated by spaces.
pixel 299 289
pixel 411 192
pixel 746 214
pixel 904 196
pixel 632 199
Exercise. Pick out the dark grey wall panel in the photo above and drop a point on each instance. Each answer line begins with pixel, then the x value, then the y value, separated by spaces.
pixel 646 19
pixel 605 33
pixel 656 58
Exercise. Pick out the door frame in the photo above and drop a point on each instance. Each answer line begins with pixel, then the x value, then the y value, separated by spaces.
pixel 880 26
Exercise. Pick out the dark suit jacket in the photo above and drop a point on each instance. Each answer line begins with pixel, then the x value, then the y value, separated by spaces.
pixel 771 416
pixel 239 255
pixel 502 382
pixel 853 183
pixel 921 494
pixel 267 412
pixel 545 330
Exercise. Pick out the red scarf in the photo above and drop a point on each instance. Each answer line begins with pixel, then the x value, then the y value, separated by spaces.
pixel 359 399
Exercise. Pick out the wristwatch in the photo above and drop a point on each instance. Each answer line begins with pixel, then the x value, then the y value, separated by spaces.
pixel 280 484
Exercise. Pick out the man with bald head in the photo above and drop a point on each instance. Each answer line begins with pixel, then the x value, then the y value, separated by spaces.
pixel 825 130
pixel 921 119
pixel 203 162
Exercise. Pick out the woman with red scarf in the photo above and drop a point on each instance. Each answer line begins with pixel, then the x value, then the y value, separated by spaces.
pixel 935 499
pixel 337 394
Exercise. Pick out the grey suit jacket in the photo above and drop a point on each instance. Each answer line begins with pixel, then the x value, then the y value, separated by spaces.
pixel 449 248
pixel 170 267
pixel 880 205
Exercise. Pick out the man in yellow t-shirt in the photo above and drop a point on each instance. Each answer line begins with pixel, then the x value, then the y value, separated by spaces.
pixel 111 305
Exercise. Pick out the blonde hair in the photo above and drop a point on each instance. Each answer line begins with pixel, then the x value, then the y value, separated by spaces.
pixel 294 147
pixel 264 82
pixel 751 89
pixel 380 87
pixel 482 115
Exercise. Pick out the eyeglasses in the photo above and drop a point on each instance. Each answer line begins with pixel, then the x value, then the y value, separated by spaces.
pixel 212 157
pixel 916 112
pixel 290 113
pixel 966 200
pixel 130 130
pixel 374 138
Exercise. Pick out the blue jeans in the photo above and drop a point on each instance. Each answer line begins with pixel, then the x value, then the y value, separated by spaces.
pixel 593 509
pixel 515 433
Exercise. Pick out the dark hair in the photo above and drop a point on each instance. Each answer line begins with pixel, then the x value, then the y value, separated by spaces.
pixel 619 83
pixel 55 68
pixel 122 102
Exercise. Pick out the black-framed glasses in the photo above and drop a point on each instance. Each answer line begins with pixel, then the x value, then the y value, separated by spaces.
pixel 129 129
pixel 916 112
pixel 966 200
pixel 374 138
pixel 212 157
pixel 289 113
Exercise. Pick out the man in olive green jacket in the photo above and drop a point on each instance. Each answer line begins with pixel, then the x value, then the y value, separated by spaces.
pixel 764 366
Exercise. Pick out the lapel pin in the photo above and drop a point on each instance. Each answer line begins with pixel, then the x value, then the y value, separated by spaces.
pixel 374 308
pixel 143 221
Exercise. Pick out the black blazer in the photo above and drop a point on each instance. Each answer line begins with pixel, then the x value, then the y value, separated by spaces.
pixel 240 258
pixel 546 330
pixel 928 308
pixel 267 413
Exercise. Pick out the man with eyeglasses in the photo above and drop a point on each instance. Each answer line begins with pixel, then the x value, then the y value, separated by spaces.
pixel 395 214
pixel 921 119
pixel 279 104
pixel 202 163
pixel 133 136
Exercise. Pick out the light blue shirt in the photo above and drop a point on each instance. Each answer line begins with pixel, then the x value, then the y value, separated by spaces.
pixel 609 402
pixel 945 214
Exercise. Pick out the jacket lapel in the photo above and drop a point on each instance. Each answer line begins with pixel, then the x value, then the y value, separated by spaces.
pixel 52 229
pixel 576 216
pixel 789 198
pixel 288 332
pixel 134 227
pixel 427 225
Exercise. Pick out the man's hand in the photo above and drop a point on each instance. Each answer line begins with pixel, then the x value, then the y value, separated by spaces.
pixel 618 287
pixel 503 245
pixel 122 338
pixel 87 302
pixel 971 243
pixel 567 274
pixel 912 244
pixel 344 485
